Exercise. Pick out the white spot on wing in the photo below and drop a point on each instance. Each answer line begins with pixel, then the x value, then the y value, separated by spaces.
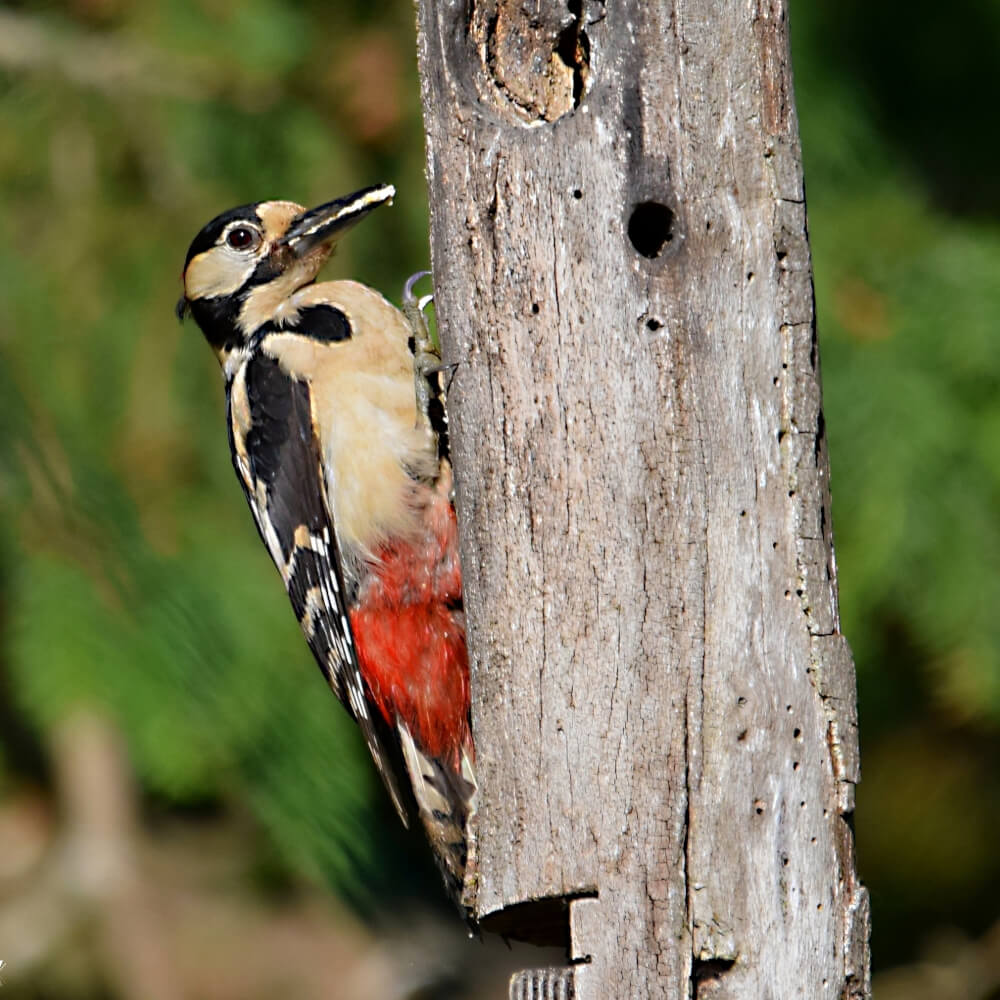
pixel 235 359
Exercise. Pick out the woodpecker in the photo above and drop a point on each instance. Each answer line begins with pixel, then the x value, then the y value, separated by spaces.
pixel 337 438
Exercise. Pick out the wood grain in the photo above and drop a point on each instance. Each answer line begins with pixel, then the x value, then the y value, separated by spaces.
pixel 663 704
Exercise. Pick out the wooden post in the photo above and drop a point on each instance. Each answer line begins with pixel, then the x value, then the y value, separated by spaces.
pixel 663 704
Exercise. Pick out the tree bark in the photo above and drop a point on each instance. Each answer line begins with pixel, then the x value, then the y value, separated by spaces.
pixel 663 704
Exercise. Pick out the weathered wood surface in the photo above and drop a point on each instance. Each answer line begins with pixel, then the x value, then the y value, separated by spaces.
pixel 663 704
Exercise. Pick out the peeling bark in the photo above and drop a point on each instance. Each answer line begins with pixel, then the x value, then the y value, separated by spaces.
pixel 663 704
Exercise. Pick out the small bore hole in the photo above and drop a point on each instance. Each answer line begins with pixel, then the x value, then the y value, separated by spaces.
pixel 534 308
pixel 651 228
pixel 796 734
pixel 577 193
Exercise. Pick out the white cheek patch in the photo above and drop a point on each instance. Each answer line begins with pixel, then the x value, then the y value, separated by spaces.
pixel 217 272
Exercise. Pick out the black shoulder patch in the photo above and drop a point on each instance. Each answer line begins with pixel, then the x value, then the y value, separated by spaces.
pixel 272 397
pixel 323 322
pixel 284 455
pixel 211 232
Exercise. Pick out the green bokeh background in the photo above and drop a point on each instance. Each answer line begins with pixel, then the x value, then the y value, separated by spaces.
pixel 131 576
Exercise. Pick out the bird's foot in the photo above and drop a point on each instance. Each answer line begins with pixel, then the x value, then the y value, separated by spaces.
pixel 426 354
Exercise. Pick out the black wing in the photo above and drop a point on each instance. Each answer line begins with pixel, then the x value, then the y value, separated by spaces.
pixel 278 461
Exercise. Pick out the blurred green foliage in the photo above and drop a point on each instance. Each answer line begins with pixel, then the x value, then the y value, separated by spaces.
pixel 905 228
pixel 131 574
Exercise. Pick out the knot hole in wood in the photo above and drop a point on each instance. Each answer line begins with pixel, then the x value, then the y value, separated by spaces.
pixel 537 60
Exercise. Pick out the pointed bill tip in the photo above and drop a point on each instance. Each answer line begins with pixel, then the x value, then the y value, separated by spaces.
pixel 327 222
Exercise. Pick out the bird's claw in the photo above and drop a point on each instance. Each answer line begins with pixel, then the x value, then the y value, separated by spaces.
pixel 408 296
pixel 426 355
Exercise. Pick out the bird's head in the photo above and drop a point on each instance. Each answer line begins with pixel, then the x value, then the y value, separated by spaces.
pixel 244 265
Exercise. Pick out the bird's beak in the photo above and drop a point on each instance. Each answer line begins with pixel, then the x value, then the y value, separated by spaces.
pixel 327 222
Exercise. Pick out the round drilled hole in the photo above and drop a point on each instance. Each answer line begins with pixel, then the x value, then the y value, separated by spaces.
pixel 651 228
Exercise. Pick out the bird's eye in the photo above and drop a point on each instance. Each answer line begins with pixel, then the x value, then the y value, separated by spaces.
pixel 243 238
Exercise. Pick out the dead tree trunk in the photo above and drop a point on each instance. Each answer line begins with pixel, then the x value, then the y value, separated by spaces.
pixel 663 703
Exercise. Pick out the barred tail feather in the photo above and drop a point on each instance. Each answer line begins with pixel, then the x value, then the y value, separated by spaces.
pixel 446 802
